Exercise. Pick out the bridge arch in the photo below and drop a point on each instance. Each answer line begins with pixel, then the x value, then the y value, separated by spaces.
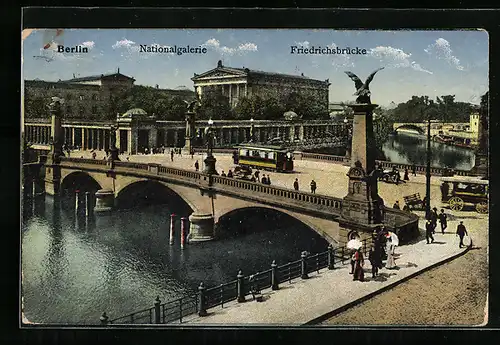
pixel 244 218
pixel 149 192
pixel 410 127
pixel 79 180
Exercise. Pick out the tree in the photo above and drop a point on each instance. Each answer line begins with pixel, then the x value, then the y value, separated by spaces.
pixel 483 117
pixel 214 106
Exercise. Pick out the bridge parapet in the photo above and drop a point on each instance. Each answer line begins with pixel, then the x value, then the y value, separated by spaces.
pixel 321 203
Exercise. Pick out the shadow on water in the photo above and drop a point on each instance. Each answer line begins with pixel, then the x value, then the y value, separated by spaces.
pixel 120 261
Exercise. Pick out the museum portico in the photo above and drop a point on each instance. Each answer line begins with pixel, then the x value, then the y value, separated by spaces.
pixel 236 83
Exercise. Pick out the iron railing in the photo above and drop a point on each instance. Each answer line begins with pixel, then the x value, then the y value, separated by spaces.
pixel 177 310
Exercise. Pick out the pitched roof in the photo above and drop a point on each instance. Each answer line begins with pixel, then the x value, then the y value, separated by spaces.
pixel 96 77
pixel 250 72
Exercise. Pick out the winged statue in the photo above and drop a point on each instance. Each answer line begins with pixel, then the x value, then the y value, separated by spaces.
pixel 362 89
pixel 192 105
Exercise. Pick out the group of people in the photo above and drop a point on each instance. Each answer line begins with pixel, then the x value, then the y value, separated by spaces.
pixel 312 184
pixel 383 247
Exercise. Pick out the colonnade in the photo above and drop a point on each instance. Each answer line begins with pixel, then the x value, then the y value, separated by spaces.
pixel 134 139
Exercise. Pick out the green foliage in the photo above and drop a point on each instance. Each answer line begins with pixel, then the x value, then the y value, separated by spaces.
pixel 444 108
pixel 35 106
pixel 214 106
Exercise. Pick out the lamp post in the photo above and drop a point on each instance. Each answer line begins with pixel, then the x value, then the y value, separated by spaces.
pixel 251 130
pixel 210 160
pixel 428 166
pixel 346 131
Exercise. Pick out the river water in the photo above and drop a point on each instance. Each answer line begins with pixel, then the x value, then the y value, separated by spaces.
pixel 74 269
pixel 408 148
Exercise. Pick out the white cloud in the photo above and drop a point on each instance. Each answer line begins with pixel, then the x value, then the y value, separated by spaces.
pixel 442 50
pixel 124 43
pixel 88 44
pixel 340 60
pixel 243 48
pixel 395 58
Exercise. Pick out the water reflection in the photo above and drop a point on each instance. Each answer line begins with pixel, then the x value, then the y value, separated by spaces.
pixel 412 149
pixel 76 267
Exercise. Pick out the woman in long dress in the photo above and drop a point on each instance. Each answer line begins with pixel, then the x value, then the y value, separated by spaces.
pixel 391 263
pixel 359 274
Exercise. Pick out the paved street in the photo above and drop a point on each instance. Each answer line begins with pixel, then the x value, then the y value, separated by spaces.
pixel 306 300
pixel 331 178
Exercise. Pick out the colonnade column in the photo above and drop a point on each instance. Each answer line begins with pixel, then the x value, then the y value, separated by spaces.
pixel 129 141
pixel 230 95
pixel 301 133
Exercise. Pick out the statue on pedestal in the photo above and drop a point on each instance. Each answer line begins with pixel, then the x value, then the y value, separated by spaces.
pixel 113 150
pixel 57 139
pixel 362 89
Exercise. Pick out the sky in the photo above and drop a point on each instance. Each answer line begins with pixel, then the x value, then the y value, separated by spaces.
pixel 432 63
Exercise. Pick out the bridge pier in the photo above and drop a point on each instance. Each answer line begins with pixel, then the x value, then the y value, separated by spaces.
pixel 201 227
pixel 105 200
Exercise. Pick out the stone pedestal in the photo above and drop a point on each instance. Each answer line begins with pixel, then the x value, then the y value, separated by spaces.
pixel 105 200
pixel 201 227
pixel 481 165
pixel 362 206
pixel 210 165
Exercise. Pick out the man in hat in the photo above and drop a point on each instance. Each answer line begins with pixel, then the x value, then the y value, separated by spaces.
pixel 461 232
pixel 428 231
pixel 396 205
pixel 434 219
pixel 443 220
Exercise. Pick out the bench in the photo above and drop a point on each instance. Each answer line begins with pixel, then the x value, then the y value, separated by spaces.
pixel 413 200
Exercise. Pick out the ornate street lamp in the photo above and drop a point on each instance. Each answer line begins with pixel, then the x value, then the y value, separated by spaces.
pixel 210 160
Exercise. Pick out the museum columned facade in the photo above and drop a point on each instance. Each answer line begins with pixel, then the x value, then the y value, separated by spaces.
pixel 235 83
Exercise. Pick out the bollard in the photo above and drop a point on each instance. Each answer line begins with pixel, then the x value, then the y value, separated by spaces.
pixel 202 308
pixel 331 258
pixel 172 224
pixel 77 200
pixel 89 207
pixel 241 296
pixel 157 305
pixel 104 319
pixel 274 276
pixel 183 231
pixel 303 257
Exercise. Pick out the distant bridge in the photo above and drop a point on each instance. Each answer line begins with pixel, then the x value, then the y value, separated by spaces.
pixel 421 127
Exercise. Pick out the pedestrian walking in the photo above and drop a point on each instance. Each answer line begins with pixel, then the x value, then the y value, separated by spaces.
pixel 434 219
pixel 414 170
pixel 223 174
pixel 230 173
pixel 428 231
pixel 359 274
pixel 268 180
pixel 296 184
pixel 196 165
pixel 353 262
pixel 313 186
pixel 396 205
pixel 257 173
pixel 406 177
pixel 443 220
pixel 172 155
pixel 264 179
pixel 461 232
pixel 374 257
pixel 390 263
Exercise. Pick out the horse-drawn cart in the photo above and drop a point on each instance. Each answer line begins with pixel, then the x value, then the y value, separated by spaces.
pixel 462 190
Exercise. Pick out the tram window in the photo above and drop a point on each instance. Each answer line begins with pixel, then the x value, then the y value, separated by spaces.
pixel 256 153
pixel 461 186
pixel 271 155
pixel 265 155
pixel 243 153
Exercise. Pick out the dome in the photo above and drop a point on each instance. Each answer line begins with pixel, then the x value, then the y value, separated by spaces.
pixel 135 112
pixel 290 115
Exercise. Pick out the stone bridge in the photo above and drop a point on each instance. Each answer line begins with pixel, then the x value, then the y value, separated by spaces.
pixel 209 199
pixel 421 127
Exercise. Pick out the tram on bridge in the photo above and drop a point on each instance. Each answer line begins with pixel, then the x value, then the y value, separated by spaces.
pixel 265 157
pixel 458 191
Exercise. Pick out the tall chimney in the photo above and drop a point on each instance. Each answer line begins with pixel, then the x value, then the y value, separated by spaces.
pixel 118 69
